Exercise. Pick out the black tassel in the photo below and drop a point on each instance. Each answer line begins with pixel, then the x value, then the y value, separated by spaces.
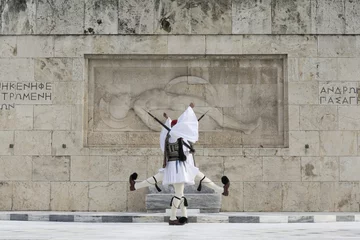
pixel 199 187
pixel 172 200
pixel 185 202
pixel 156 186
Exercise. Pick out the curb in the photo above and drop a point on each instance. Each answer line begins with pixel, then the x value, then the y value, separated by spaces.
pixel 161 218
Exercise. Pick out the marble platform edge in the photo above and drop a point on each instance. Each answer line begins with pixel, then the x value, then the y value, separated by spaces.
pixel 222 217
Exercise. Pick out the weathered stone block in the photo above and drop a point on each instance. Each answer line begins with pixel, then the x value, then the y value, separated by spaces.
pixel 186 45
pixel 303 93
pixel 49 168
pixel 212 167
pixel 52 117
pixel 16 70
pixel 31 196
pixel 322 69
pixel 136 17
pixel 69 196
pixel 235 201
pixel 251 17
pixel 68 93
pixel 314 117
pixel 101 16
pixel 337 46
pixel 293 45
pixel 53 69
pixel 18 17
pixel 243 168
pixel 72 140
pixel 154 163
pixel 210 17
pixel 319 169
pixel 349 168
pixel 340 196
pixel 6 196
pixel 35 46
pixel 291 17
pixel 293 117
pixel 15 168
pixel 107 196
pixel 349 118
pixel 8 46
pixel 328 17
pixel 93 168
pixel 78 69
pixel 352 9
pixel 19 118
pixel 301 196
pixel 7 139
pixel 338 143
pixel 349 69
pixel 223 44
pixel 298 141
pixel 262 196
pixel 59 17
pixel 32 143
pixel 282 169
pixel 121 167
pixel 73 46
pixel 136 200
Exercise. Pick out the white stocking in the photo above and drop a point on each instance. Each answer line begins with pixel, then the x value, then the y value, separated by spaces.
pixel 207 182
pixel 179 192
pixel 150 181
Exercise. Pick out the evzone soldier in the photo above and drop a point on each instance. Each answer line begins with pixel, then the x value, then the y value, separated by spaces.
pixel 176 141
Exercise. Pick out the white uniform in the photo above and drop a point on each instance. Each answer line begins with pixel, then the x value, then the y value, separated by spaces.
pixel 187 128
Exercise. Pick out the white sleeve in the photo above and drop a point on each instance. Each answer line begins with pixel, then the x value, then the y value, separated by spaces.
pixel 187 126
pixel 163 134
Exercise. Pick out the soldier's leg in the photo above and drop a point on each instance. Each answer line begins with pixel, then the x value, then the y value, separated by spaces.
pixel 175 203
pixel 146 183
pixel 210 184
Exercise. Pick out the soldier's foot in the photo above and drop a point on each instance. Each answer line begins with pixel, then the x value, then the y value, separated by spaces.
pixel 132 179
pixel 175 222
pixel 225 180
pixel 183 220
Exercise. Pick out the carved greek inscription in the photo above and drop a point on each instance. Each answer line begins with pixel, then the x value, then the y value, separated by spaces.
pixel 339 94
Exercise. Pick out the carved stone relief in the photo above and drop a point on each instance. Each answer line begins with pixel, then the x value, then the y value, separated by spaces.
pixel 242 98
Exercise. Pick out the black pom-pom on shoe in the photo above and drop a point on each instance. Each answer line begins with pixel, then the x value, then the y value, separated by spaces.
pixel 132 179
pixel 225 180
pixel 183 220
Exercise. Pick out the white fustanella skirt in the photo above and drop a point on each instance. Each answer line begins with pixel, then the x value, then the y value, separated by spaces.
pixel 180 171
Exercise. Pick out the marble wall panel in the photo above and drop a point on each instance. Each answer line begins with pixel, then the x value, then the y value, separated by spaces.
pixel 301 196
pixel 314 117
pixel 121 167
pixel 281 169
pixel 243 168
pixel 262 196
pixel 337 46
pixel 60 17
pixel 68 93
pixel 53 69
pixel 212 167
pixel 349 168
pixel 136 17
pixel 93 168
pixel 222 44
pixel 338 143
pixel 32 143
pixel 303 93
pixel 107 196
pixel 8 46
pixel 18 17
pixel 352 16
pixel 31 196
pixel 294 118
pixel 328 16
pixel 6 196
pixel 291 17
pixel 52 117
pixel 15 168
pixel 320 169
pixel 7 139
pixel 50 168
pixel 349 118
pixel 16 70
pixel 101 17
pixel 321 69
pixel 35 46
pixel 235 200
pixel 73 143
pixel 349 69
pixel 186 45
pixel 298 141
pixel 19 118
pixel 69 196
pixel 251 17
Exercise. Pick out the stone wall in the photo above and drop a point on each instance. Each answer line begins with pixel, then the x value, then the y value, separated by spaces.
pixel 45 49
